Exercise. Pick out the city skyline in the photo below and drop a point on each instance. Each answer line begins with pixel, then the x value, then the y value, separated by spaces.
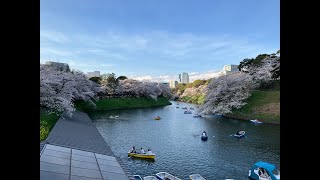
pixel 157 39
pixel 165 78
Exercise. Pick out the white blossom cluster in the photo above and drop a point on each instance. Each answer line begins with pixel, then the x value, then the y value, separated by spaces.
pixel 59 89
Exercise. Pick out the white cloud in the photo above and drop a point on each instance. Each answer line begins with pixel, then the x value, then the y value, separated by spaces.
pixel 166 78
pixel 53 36
pixel 141 78
pixel 161 44
pixel 204 76
pixel 89 51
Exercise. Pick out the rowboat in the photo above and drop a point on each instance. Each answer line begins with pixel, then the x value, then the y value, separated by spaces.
pixel 240 134
pixel 264 171
pixel 146 156
pixel 138 177
pixel 157 118
pixel 187 112
pixel 256 121
pixel 204 136
pixel 196 177
pixel 149 178
pixel 166 176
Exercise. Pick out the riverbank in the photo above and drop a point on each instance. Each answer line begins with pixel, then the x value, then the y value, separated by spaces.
pixel 121 103
pixel 47 121
pixel 263 105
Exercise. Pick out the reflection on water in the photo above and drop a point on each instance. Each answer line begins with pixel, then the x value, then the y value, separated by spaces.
pixel 175 139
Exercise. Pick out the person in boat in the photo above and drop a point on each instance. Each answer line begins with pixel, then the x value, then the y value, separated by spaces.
pixel 141 151
pixel 263 173
pixel 133 149
pixel 149 152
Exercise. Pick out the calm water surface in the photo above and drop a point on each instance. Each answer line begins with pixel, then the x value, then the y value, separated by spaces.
pixel 175 139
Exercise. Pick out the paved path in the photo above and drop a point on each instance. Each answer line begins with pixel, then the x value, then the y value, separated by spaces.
pixel 78 132
pixel 75 150
pixel 61 163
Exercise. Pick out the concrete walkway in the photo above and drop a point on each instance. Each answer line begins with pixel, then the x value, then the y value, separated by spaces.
pixel 75 149
pixel 78 132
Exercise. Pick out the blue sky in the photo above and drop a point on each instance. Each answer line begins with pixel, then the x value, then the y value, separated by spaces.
pixel 157 37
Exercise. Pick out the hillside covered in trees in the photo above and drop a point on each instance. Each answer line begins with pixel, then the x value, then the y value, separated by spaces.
pixel 60 90
pixel 250 94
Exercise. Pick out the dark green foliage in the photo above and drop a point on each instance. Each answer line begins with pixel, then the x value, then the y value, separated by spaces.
pixel 198 83
pixel 181 87
pixel 121 78
pixel 96 79
pixel 245 64
pixel 121 103
pixel 258 59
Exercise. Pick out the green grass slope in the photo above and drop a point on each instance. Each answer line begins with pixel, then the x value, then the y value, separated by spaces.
pixel 263 105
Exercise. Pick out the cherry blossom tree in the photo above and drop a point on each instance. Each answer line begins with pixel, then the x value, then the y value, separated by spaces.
pixel 59 89
pixel 266 72
pixel 165 90
pixel 143 89
pixel 227 92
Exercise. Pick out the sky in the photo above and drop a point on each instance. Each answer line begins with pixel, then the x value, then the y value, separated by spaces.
pixel 154 39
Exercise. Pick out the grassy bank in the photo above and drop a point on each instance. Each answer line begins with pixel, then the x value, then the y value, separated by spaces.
pixel 122 103
pixel 263 105
pixel 46 123
pixel 198 99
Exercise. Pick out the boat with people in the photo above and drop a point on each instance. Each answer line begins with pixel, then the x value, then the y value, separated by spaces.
pixel 191 108
pixel 141 153
pixel 264 171
pixel 184 108
pixel 187 112
pixel 196 177
pixel 157 118
pixel 166 176
pixel 240 134
pixel 197 116
pixel 256 121
pixel 204 136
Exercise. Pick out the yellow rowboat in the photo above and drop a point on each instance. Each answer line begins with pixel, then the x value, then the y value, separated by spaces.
pixel 157 118
pixel 147 156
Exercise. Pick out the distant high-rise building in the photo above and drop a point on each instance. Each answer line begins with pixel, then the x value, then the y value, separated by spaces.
pixel 184 78
pixel 230 69
pixel 93 74
pixel 173 84
pixel 59 66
